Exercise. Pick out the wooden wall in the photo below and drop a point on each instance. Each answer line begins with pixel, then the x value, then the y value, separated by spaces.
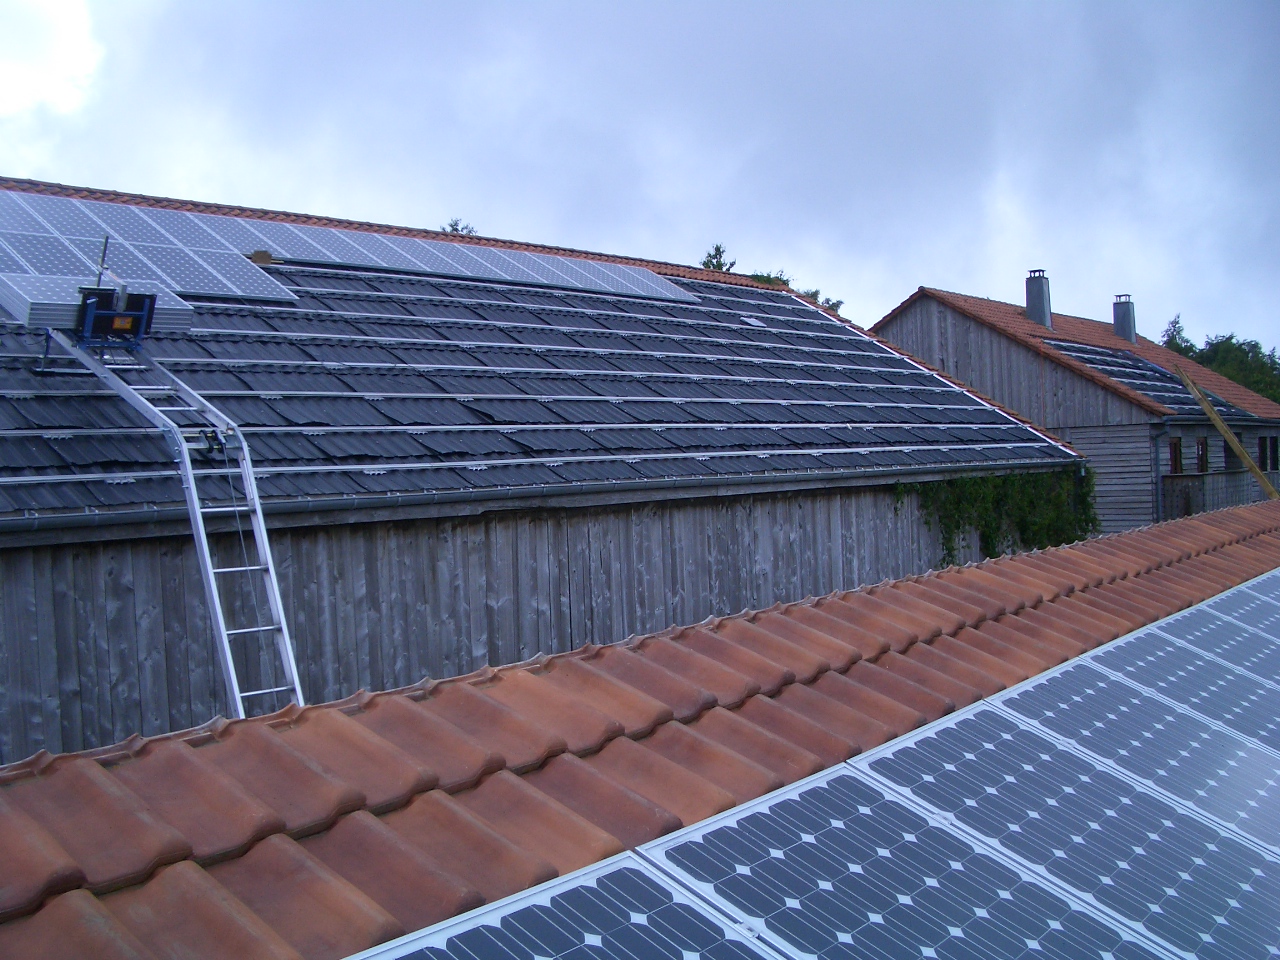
pixel 1112 432
pixel 100 640
pixel 998 367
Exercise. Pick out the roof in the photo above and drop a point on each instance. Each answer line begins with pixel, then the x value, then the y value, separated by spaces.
pixel 384 386
pixel 1144 373
pixel 665 268
pixel 322 831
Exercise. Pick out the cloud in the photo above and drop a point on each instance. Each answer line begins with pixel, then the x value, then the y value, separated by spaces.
pixel 48 56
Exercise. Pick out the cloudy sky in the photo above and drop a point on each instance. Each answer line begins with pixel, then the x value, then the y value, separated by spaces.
pixel 863 149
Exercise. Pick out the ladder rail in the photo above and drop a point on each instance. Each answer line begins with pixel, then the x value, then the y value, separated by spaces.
pixel 178 442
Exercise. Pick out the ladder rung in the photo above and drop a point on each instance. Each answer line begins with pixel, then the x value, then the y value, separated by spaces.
pixel 261 566
pixel 242 630
pixel 260 693
pixel 247 508
pixel 175 409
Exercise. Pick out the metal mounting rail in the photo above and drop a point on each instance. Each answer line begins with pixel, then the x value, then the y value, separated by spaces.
pixel 194 426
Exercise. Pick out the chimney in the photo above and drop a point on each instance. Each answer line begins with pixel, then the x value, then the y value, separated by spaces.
pixel 1038 309
pixel 1122 316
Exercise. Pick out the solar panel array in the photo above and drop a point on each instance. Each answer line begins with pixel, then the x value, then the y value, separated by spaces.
pixel 371 384
pixel 54 238
pixel 1145 377
pixel 1076 815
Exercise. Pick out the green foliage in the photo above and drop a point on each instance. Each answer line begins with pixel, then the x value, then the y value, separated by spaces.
pixel 716 260
pixel 1176 339
pixel 816 296
pixel 777 278
pixel 1017 511
pixel 457 226
pixel 1243 361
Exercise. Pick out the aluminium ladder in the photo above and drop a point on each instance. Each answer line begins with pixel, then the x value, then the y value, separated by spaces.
pixel 226 487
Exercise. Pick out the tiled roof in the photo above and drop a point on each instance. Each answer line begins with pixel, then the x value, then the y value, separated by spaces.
pixel 372 386
pixel 1011 320
pixel 281 216
pixel 322 831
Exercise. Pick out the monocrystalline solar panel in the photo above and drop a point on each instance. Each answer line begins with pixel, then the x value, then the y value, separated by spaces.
pixel 1241 646
pixel 834 868
pixel 1251 609
pixel 1268 586
pixel 1211 688
pixel 1215 771
pixel 620 909
pixel 1195 887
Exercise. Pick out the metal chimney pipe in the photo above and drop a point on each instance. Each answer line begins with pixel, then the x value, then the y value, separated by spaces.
pixel 1038 309
pixel 1122 316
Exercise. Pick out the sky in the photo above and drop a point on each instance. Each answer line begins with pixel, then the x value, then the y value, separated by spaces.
pixel 862 148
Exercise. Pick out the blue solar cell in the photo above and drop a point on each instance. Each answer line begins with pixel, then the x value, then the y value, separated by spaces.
pixel 340 246
pixel 1268 586
pixel 185 229
pixel 1217 772
pixel 247 279
pixel 237 234
pixel 1231 641
pixel 1219 692
pixel 1251 609
pixel 46 256
pixel 287 243
pixel 1195 887
pixel 16 218
pixel 121 259
pixel 837 870
pixel 619 910
pixel 9 262
pixel 64 215
pixel 384 252
pixel 185 272
pixel 124 222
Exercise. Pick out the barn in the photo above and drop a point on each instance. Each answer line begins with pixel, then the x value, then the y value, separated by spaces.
pixel 1114 395
pixel 461 452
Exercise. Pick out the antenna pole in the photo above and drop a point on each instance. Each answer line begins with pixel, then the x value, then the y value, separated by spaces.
pixel 102 260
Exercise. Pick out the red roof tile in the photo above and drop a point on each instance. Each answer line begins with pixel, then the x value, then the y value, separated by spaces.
pixel 1011 320
pixel 301 834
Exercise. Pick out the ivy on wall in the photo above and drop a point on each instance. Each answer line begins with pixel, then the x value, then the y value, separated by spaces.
pixel 1017 511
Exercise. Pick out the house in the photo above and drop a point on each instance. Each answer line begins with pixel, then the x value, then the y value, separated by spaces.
pixel 1120 774
pixel 463 452
pixel 1113 395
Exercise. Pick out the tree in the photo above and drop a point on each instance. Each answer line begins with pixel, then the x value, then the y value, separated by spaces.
pixel 715 260
pixel 1175 338
pixel 457 226
pixel 1243 361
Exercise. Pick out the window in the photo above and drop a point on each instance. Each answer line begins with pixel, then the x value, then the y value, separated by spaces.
pixel 1202 454
pixel 1264 448
pixel 1275 454
pixel 1175 455
pixel 1229 458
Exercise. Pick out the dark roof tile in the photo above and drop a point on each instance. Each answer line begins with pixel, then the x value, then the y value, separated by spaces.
pixel 688 795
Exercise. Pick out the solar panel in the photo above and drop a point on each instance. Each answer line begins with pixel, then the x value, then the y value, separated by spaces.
pixel 1251 609
pixel 1241 646
pixel 1199 682
pixel 1217 772
pixel 621 908
pixel 834 868
pixel 1268 586
pixel 1197 888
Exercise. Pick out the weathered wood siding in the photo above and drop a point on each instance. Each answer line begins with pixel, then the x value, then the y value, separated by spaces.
pixel 105 639
pixel 1044 392
pixel 1112 432
pixel 1124 484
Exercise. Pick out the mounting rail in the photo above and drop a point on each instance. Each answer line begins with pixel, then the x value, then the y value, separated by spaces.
pixel 225 487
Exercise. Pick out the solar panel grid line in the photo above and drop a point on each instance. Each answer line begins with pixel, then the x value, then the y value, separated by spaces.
pixel 619 908
pixel 837 868
pixel 416 321
pixel 802 312
pixel 1243 631
pixel 548 348
pixel 1258 784
pixel 1143 863
pixel 1270 741
pixel 474 464
pixel 628 374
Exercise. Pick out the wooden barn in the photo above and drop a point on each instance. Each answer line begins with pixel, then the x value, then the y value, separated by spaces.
pixel 1115 396
pixel 463 452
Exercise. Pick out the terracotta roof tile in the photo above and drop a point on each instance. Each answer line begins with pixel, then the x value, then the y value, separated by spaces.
pixel 1011 320
pixel 312 908
pixel 672 728
pixel 183 912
